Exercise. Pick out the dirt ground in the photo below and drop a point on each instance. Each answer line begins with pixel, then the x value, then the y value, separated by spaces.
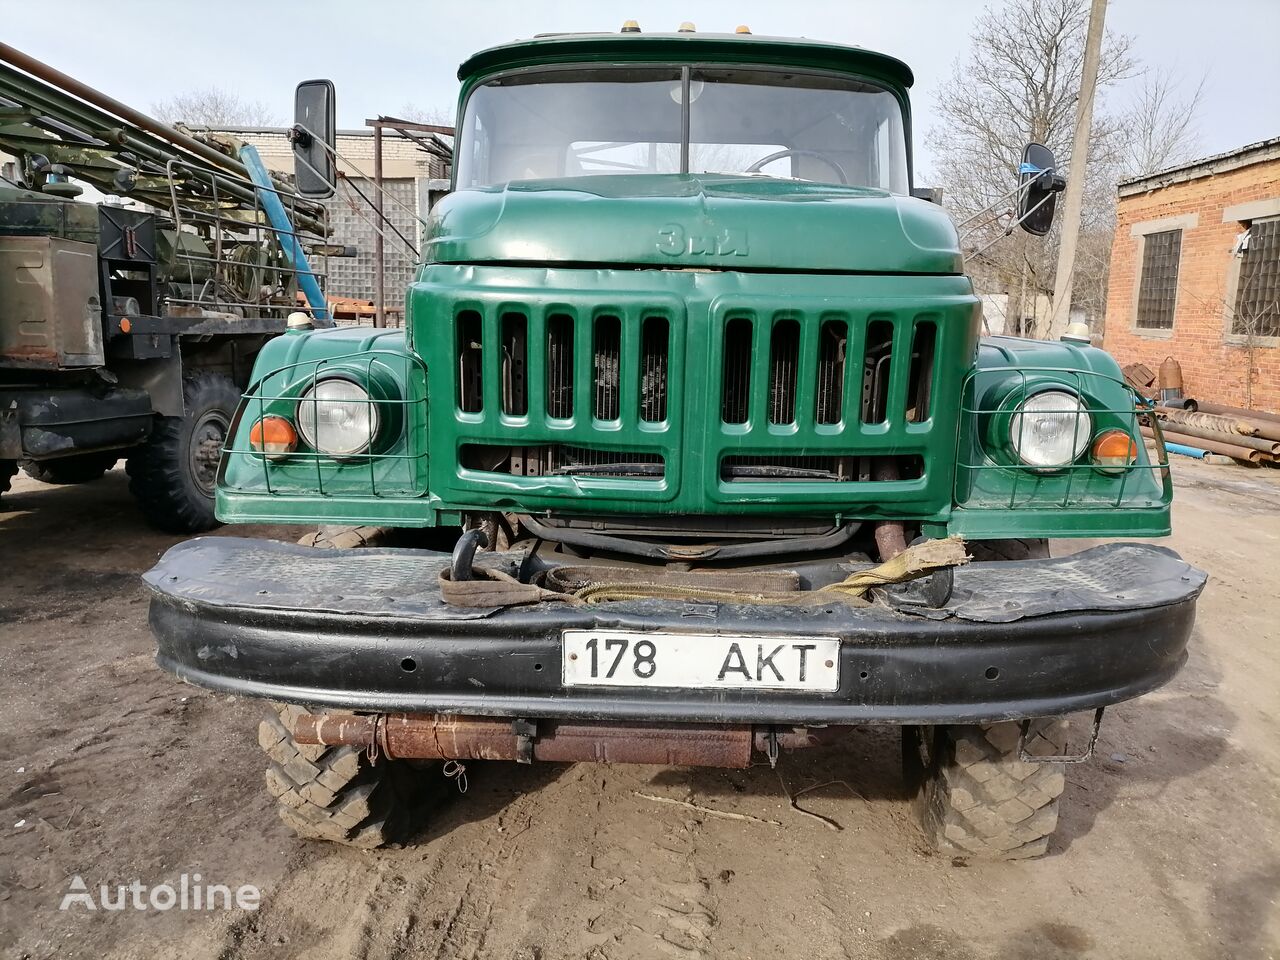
pixel 113 771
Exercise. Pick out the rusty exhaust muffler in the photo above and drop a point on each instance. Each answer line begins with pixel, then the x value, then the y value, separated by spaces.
pixel 442 737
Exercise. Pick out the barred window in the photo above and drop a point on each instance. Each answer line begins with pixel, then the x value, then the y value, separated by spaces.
pixel 1158 288
pixel 1257 308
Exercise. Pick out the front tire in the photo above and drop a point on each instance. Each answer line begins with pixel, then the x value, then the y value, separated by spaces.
pixel 980 801
pixel 337 793
pixel 173 474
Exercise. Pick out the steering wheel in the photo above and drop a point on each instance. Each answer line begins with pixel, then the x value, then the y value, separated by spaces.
pixel 781 154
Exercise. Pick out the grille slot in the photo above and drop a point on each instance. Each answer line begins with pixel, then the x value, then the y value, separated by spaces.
pixel 876 363
pixel 812 469
pixel 554 459
pixel 515 364
pixel 833 343
pixel 654 354
pixel 784 359
pixel 560 366
pixel 606 351
pixel 735 401
pixel 470 355
pixel 920 383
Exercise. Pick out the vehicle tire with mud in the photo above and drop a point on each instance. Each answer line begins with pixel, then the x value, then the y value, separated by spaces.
pixel 338 793
pixel 977 799
pixel 80 468
pixel 1032 549
pixel 173 474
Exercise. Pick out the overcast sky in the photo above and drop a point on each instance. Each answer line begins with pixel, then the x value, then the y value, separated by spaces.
pixel 384 54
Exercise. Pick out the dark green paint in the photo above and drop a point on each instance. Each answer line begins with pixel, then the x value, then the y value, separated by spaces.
pixel 695 250
pixel 683 220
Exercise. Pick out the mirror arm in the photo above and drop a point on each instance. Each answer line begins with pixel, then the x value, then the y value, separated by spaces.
pixel 1012 194
pixel 1008 230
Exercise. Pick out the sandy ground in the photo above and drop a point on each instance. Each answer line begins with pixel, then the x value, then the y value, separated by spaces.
pixel 117 772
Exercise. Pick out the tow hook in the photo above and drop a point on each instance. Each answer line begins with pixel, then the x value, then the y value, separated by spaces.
pixel 464 552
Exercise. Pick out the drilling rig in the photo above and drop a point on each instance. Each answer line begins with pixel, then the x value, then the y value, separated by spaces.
pixel 143 266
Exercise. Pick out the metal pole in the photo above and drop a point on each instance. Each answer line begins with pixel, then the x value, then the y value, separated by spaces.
pixel 379 269
pixel 1060 315
pixel 285 234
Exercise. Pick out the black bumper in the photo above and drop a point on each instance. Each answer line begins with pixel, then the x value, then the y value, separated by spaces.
pixel 367 630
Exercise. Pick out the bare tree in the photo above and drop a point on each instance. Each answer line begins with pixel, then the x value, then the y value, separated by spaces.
pixel 439 116
pixel 1019 82
pixel 1160 124
pixel 214 107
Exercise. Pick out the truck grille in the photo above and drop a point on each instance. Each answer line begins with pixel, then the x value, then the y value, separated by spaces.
pixel 559 343
pixel 807 366
pixel 630 400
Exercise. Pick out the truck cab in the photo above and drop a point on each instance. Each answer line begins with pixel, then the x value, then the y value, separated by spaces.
pixel 692 393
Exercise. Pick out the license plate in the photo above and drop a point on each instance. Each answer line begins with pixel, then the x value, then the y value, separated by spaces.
pixel 625 658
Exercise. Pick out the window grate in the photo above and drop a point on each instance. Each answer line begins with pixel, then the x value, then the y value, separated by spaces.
pixel 1257 310
pixel 1158 288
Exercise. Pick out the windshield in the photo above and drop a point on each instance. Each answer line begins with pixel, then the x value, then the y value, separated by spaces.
pixel 587 122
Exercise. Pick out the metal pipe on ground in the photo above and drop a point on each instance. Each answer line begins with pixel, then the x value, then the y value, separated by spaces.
pixel 1186 451
pixel 1235 451
pixel 1209 421
pixel 442 737
pixel 1223 409
pixel 1261 444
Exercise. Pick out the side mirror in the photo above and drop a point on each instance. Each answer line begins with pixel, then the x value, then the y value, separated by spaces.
pixel 313 134
pixel 1039 184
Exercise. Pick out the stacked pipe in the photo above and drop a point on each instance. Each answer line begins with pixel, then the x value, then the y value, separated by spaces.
pixel 99 136
pixel 1244 435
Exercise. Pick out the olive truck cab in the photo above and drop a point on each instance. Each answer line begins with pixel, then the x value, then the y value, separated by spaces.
pixel 690 451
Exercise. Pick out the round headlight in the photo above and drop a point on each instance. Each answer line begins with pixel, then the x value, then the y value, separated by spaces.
pixel 337 417
pixel 1050 429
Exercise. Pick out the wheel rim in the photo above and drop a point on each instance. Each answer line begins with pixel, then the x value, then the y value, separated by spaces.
pixel 207 438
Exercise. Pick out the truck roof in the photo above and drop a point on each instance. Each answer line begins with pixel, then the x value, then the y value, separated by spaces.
pixel 686 48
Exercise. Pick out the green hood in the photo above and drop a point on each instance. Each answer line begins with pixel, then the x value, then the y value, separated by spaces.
pixel 715 221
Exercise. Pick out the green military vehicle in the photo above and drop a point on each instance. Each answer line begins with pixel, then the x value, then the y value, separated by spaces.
pixel 130 331
pixel 680 459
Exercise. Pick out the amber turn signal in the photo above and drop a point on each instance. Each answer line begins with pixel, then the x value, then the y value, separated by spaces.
pixel 273 435
pixel 1113 451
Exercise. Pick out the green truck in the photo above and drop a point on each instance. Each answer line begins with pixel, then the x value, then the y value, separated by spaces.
pixel 690 451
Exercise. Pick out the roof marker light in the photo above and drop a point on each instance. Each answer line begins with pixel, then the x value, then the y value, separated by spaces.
pixel 742 28
pixel 687 27
pixel 631 26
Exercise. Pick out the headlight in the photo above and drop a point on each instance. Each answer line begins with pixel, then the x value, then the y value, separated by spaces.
pixel 337 417
pixel 1050 429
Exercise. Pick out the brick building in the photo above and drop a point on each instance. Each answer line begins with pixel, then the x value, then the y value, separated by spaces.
pixel 1195 274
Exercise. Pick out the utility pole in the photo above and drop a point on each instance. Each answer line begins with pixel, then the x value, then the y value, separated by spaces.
pixel 1074 200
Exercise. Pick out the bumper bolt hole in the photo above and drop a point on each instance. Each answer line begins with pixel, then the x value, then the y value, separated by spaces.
pixel 993 673
pixel 408 664
pixel 864 674
pixel 537 666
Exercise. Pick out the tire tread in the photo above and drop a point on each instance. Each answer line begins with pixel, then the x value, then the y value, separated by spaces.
pixel 982 801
